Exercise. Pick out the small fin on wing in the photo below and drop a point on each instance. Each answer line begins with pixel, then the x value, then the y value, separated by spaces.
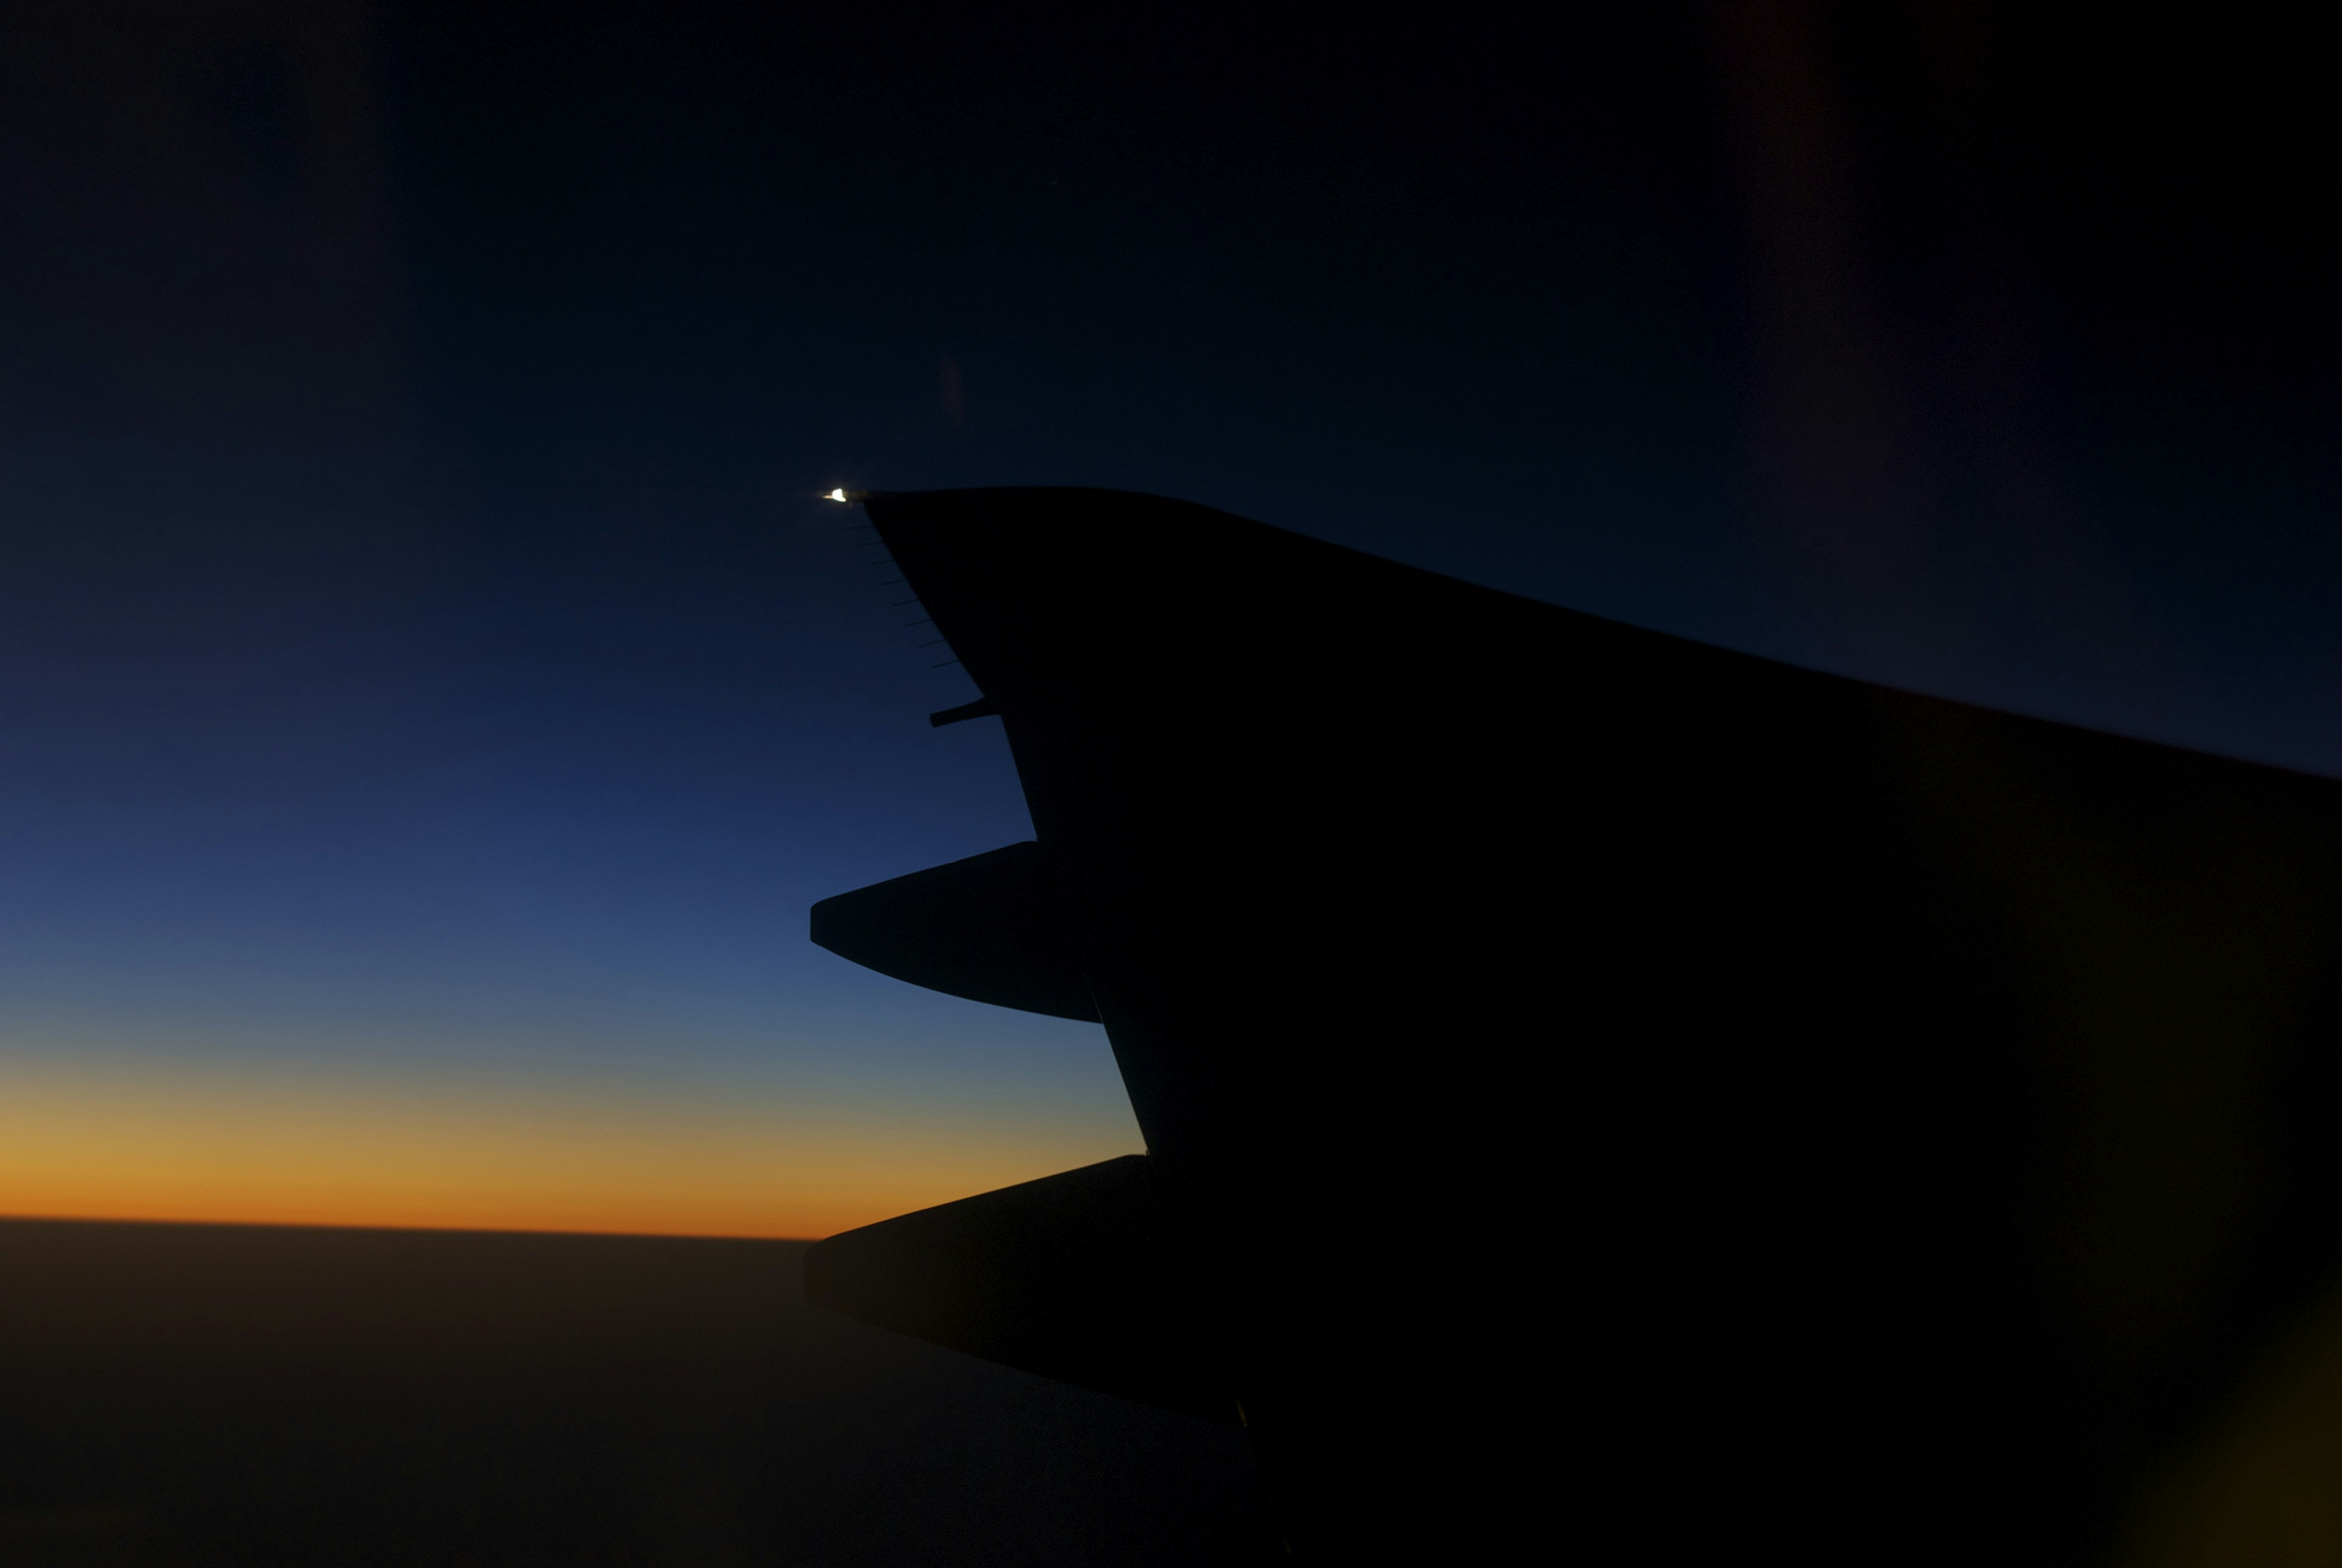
pixel 982 708
pixel 1080 1276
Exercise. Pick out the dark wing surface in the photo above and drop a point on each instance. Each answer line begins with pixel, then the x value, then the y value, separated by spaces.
pixel 1602 1086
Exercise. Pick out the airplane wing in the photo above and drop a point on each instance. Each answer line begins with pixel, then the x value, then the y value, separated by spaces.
pixel 1603 1086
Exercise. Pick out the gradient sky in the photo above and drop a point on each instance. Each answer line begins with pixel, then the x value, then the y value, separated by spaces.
pixel 430 695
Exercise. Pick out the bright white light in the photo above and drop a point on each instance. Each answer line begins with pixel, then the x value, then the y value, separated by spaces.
pixel 836 494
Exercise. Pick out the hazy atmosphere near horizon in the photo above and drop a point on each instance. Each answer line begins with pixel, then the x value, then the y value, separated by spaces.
pixel 431 693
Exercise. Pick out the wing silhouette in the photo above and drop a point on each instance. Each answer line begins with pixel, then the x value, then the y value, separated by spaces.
pixel 1602 1087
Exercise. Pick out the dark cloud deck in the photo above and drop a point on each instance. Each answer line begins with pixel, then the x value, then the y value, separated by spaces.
pixel 188 1394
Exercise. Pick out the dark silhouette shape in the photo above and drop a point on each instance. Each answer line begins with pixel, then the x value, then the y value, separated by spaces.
pixel 1815 1114
pixel 1079 1277
pixel 986 928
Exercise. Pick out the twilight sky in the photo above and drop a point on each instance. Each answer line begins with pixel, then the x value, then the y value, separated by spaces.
pixel 430 695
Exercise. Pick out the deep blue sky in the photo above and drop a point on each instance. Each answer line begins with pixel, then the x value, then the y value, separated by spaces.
pixel 421 651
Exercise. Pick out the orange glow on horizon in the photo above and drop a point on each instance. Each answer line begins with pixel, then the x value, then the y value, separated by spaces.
pixel 84 1145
